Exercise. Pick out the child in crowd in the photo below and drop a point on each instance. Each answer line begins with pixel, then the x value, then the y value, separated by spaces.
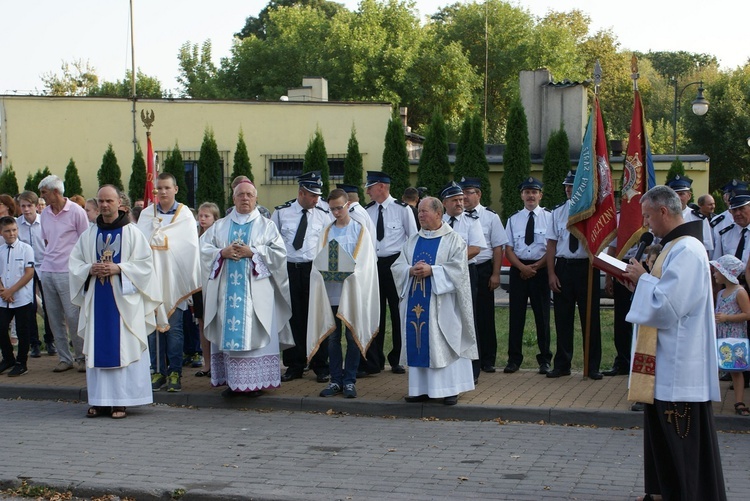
pixel 732 314
pixel 16 297
pixel 208 214
pixel 652 252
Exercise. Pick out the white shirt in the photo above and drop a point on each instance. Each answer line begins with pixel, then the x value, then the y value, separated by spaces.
pixel 31 233
pixel 689 214
pixel 470 230
pixel 399 225
pixel 359 214
pixel 516 230
pixel 492 228
pixel 287 218
pixel 558 231
pixel 14 261
pixel 727 240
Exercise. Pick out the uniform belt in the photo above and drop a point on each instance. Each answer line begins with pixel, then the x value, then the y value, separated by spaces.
pixel 304 264
pixel 566 260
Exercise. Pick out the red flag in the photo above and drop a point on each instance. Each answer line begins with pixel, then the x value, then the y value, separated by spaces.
pixel 592 217
pixel 638 177
pixel 148 196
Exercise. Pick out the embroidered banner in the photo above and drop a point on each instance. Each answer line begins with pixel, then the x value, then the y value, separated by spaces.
pixel 418 307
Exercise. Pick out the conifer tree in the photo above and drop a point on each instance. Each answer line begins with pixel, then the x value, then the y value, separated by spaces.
pixel 556 166
pixel 316 159
pixel 459 166
pixel 353 164
pixel 72 181
pixel 8 182
pixel 175 166
pixel 516 159
pixel 32 182
pixel 241 165
pixel 434 170
pixel 210 179
pixel 137 183
pixel 675 169
pixel 109 172
pixel 395 157
pixel 476 160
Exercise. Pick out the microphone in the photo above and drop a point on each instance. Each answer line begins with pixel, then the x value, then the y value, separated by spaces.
pixel 646 240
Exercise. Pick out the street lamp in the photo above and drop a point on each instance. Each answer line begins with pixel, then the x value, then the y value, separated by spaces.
pixel 700 106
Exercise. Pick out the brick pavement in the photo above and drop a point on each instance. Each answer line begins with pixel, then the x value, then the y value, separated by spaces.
pixel 523 396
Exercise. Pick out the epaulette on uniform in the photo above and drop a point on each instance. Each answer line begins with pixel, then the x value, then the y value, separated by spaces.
pixel 370 204
pixel 698 213
pixel 490 210
pixel 717 220
pixel 548 209
pixel 285 205
pixel 321 209
pixel 558 206
pixel 724 230
pixel 402 203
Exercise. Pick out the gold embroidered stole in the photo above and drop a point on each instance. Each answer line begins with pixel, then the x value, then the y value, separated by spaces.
pixel 643 372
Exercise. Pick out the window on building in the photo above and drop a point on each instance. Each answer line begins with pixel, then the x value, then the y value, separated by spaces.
pixel 284 169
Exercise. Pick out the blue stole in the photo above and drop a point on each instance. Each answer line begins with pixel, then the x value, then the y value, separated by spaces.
pixel 233 338
pixel 418 306
pixel 106 314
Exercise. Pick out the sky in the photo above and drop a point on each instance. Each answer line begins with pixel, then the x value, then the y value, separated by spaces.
pixel 36 36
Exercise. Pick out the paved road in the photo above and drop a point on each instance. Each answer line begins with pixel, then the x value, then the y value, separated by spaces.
pixel 239 454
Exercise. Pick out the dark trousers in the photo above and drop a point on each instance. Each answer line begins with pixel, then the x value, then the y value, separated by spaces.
pixel 623 329
pixel 295 358
pixel 49 339
pixel 24 316
pixel 375 361
pixel 484 316
pixel 535 289
pixel 573 277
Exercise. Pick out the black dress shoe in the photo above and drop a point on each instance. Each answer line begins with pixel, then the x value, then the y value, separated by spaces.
pixel 417 398
pixel 35 352
pixel 488 368
pixel 398 369
pixel 544 368
pixel 288 376
pixel 453 400
pixel 322 378
pixel 617 371
pixel 511 368
pixel 558 373
pixel 596 376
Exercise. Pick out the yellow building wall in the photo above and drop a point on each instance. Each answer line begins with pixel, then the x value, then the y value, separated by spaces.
pixel 49 131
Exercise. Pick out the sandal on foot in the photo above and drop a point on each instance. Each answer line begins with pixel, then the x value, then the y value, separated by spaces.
pixel 203 373
pixel 118 413
pixel 97 411
pixel 741 409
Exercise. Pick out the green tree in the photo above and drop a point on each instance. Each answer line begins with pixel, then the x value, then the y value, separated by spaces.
pixel 210 178
pixel 675 169
pixel 434 170
pixel 556 166
pixel 241 165
pixel 316 159
pixel 78 79
pixel 175 166
pixel 353 164
pixel 198 74
pixel 516 160
pixel 32 182
pixel 477 160
pixel 395 157
pixel 145 87
pixel 8 181
pixel 137 183
pixel 462 146
pixel 109 172
pixel 72 180
pixel 257 26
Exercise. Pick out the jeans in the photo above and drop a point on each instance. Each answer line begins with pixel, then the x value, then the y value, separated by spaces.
pixel 61 311
pixel 347 375
pixel 169 358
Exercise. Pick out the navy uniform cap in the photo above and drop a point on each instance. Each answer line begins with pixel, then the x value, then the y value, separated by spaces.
pixel 570 178
pixel 349 188
pixel 734 185
pixel 680 183
pixel 375 177
pixel 451 190
pixel 531 183
pixel 471 182
pixel 740 198
pixel 312 182
pixel 422 190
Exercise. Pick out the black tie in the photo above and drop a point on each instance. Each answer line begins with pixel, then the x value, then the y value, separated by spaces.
pixel 529 239
pixel 453 220
pixel 573 244
pixel 381 226
pixel 741 245
pixel 299 237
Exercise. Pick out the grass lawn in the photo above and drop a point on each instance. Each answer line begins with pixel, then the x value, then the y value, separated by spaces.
pixel 529 339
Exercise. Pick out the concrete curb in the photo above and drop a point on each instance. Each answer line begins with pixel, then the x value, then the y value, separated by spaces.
pixel 424 410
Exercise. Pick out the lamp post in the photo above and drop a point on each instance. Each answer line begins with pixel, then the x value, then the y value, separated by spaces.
pixel 700 106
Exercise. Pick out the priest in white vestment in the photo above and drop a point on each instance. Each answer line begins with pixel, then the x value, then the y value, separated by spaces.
pixel 432 277
pixel 112 281
pixel 246 297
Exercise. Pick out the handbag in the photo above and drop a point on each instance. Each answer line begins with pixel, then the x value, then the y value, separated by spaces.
pixel 732 352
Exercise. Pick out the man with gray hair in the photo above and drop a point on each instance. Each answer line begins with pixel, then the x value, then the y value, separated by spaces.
pixel 677 378
pixel 62 223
